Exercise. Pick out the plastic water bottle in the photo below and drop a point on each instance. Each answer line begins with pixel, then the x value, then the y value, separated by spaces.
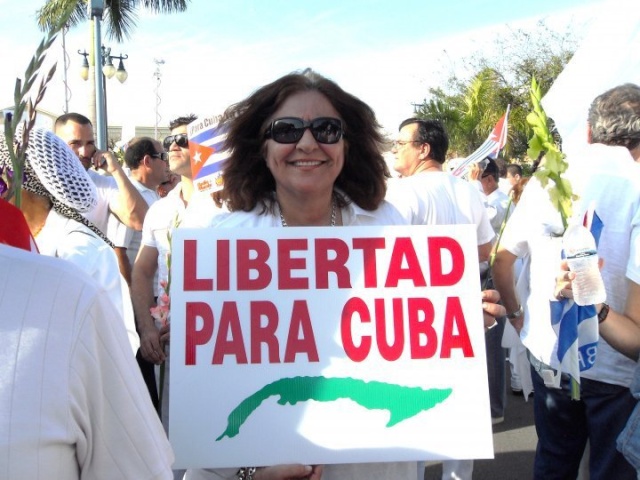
pixel 582 257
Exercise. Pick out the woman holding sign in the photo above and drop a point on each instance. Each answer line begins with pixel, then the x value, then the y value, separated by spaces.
pixel 306 153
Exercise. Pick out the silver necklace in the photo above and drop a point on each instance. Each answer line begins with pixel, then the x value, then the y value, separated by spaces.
pixel 332 222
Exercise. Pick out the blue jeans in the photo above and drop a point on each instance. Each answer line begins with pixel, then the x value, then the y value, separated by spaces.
pixel 564 426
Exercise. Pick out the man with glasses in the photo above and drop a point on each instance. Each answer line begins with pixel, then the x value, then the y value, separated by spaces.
pixel 116 194
pixel 163 217
pixel 149 167
pixel 426 195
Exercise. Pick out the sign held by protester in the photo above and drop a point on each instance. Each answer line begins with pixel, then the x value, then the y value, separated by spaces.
pixel 327 345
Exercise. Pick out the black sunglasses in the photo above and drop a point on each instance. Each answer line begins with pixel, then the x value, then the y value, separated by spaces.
pixel 291 129
pixel 181 140
pixel 164 156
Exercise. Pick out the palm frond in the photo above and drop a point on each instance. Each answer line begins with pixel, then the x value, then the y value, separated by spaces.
pixel 165 6
pixel 50 15
pixel 24 104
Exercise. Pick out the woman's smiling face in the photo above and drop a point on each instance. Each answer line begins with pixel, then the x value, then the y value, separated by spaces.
pixel 306 167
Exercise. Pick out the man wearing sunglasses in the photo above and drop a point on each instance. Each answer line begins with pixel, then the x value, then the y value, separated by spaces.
pixel 163 217
pixel 116 194
pixel 149 167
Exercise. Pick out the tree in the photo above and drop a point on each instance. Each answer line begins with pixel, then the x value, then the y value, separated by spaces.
pixel 120 19
pixel 470 108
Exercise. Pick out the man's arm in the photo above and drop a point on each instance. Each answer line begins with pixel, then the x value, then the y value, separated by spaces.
pixel 622 332
pixel 123 263
pixel 144 270
pixel 128 206
pixel 504 282
pixel 121 236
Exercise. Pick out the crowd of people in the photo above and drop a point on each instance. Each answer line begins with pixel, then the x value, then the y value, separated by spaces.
pixel 302 152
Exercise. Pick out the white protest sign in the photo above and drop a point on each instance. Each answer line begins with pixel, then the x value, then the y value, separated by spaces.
pixel 327 345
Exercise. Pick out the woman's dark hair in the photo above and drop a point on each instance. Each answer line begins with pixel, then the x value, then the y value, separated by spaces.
pixel 247 180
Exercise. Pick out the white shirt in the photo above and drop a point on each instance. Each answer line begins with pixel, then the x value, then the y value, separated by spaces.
pixel 161 219
pixel 496 205
pixel 439 198
pixel 72 399
pixel 126 237
pixel 73 241
pixel 504 185
pixel 107 189
pixel 595 174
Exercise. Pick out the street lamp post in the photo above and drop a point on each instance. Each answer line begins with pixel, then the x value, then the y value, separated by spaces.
pixel 108 71
pixel 95 9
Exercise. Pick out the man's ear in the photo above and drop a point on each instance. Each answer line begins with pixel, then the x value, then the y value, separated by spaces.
pixel 589 134
pixel 425 151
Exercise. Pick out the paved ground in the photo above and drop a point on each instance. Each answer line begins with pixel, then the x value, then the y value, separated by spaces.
pixel 514 443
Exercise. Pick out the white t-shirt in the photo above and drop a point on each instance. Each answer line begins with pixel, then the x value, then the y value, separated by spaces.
pixel 161 219
pixel 123 236
pixel 72 399
pixel 504 186
pixel 351 215
pixel 107 189
pixel 608 179
pixel 73 241
pixel 497 203
pixel 439 198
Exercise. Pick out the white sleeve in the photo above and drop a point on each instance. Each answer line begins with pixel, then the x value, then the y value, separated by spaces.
pixel 119 234
pixel 633 266
pixel 120 434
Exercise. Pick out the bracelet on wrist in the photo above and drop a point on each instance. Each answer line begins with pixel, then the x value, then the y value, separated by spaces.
pixel 604 312
pixel 516 314
pixel 493 325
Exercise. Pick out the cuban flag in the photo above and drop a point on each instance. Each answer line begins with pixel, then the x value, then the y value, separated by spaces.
pixel 490 148
pixel 577 326
pixel 207 157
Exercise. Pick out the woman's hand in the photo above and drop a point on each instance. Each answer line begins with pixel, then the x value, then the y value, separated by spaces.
pixel 289 472
pixel 490 307
pixel 564 287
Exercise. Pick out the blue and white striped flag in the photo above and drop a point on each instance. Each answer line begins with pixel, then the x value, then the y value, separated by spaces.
pixel 576 326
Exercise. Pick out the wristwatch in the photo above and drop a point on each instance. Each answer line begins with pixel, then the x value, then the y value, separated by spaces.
pixel 604 311
pixel 516 314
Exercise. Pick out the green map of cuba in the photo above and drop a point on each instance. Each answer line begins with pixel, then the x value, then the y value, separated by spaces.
pixel 402 402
